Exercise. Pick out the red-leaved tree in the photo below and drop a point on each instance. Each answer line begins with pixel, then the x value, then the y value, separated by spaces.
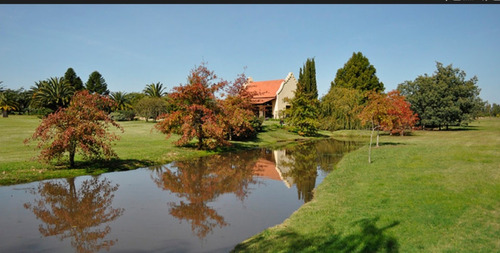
pixel 376 114
pixel 401 116
pixel 197 111
pixel 237 110
pixel 81 127
pixel 387 112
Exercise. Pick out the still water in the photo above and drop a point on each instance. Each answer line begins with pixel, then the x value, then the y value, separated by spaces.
pixel 201 205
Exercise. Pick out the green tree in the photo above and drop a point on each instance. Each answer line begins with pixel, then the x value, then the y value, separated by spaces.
pixel 495 110
pixel 150 107
pixel 7 102
pixel 340 108
pixel 358 73
pixel 73 80
pixel 155 90
pixel 307 79
pixel 135 97
pixel 52 93
pixel 97 84
pixel 304 106
pixel 303 115
pixel 121 99
pixel 443 99
pixel 23 99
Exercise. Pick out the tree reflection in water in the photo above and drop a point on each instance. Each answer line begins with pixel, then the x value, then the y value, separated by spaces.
pixel 77 214
pixel 200 181
pixel 302 162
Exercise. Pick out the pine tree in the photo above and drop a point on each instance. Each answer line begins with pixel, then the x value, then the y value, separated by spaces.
pixel 73 80
pixel 97 84
pixel 358 73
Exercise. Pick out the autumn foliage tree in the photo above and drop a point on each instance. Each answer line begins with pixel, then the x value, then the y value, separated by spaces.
pixel 387 112
pixel 197 110
pixel 401 117
pixel 237 115
pixel 81 127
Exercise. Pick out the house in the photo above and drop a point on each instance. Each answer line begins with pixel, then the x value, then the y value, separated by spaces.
pixel 268 99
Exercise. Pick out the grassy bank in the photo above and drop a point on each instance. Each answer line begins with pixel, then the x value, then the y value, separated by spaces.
pixel 140 146
pixel 434 191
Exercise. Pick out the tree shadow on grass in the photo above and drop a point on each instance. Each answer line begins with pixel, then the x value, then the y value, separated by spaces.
pixel 454 128
pixel 390 143
pixel 369 238
pixel 113 165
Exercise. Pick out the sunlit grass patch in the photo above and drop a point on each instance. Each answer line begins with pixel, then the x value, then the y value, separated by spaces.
pixel 434 191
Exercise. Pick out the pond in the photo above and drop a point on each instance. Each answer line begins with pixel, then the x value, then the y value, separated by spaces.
pixel 201 205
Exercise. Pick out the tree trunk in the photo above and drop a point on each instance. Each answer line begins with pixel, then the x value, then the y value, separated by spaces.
pixel 72 151
pixel 370 147
pixel 377 137
pixel 200 137
pixel 5 114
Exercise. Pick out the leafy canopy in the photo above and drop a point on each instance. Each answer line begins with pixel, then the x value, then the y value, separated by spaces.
pixel 307 79
pixel 155 90
pixel 53 93
pixel 388 112
pixel 358 73
pixel 444 99
pixel 81 127
pixel 197 111
pixel 304 106
pixel 97 84
pixel 73 80
pixel 340 108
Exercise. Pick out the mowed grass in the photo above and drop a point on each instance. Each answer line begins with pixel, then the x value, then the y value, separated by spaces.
pixel 434 191
pixel 140 145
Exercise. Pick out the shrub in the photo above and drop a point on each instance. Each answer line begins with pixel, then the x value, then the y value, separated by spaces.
pixel 122 115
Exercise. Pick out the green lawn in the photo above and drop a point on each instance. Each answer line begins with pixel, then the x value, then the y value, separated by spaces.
pixel 434 191
pixel 140 146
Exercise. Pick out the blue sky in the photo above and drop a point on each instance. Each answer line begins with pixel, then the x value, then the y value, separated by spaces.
pixel 134 45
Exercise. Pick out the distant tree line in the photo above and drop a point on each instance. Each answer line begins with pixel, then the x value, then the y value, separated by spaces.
pixel 445 98
pixel 76 114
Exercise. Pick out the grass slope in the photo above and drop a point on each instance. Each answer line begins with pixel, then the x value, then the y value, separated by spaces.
pixel 140 146
pixel 434 191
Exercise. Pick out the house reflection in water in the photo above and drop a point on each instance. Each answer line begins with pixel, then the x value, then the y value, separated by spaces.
pixel 274 165
pixel 299 165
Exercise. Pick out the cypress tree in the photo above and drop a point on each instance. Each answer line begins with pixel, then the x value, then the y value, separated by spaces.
pixel 304 110
pixel 307 79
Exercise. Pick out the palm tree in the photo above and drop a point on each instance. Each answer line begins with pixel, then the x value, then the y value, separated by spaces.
pixel 122 100
pixel 52 93
pixel 155 90
pixel 7 103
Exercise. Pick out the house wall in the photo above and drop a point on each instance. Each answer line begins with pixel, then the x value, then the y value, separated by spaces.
pixel 286 90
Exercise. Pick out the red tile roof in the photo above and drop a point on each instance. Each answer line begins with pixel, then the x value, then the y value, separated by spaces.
pixel 264 90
